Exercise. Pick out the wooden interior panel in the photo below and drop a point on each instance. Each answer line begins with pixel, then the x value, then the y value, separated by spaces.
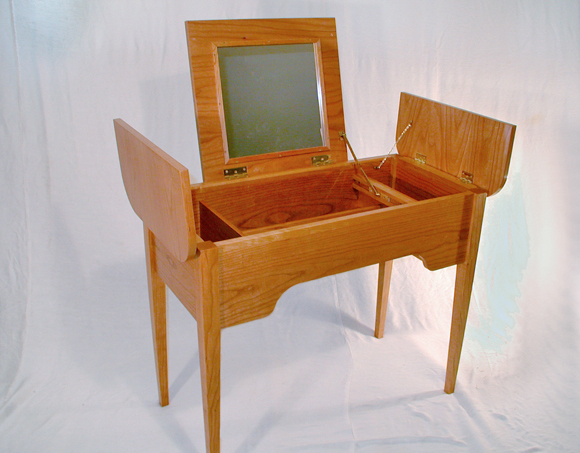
pixel 262 203
pixel 430 179
pixel 251 206
pixel 305 220
pixel 215 227
pixel 418 182
pixel 381 192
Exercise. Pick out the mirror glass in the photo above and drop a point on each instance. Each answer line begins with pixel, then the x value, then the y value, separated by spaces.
pixel 270 98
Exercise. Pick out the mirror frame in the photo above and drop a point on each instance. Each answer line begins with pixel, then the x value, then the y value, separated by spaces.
pixel 321 127
pixel 206 37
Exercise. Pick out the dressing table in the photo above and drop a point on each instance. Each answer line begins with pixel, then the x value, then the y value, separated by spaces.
pixel 281 203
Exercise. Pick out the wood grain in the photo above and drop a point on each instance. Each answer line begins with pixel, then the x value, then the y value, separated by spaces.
pixel 182 278
pixel 435 229
pixel 463 286
pixel 426 179
pixel 196 284
pixel 385 271
pixel 209 342
pixel 204 37
pixel 456 141
pixel 158 189
pixel 393 197
pixel 273 231
pixel 158 309
pixel 277 200
pixel 307 220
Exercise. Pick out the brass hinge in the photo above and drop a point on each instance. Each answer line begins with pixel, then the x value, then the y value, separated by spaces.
pixel 420 158
pixel 317 161
pixel 233 173
pixel 467 178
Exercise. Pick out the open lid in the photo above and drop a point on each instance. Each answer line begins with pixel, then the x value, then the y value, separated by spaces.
pixel 267 95
pixel 468 146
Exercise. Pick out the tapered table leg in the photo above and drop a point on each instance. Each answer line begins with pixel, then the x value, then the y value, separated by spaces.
pixel 158 304
pixel 385 270
pixel 209 338
pixel 463 286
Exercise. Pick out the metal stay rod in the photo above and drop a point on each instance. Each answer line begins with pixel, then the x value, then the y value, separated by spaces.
pixel 343 136
pixel 378 167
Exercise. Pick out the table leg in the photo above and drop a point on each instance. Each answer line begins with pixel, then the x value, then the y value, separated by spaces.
pixel 157 302
pixel 209 338
pixel 385 270
pixel 463 286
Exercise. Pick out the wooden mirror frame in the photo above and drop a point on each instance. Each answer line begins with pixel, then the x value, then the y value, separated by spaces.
pixel 321 128
pixel 205 37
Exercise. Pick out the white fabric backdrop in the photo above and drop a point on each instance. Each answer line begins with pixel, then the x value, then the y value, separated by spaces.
pixel 76 366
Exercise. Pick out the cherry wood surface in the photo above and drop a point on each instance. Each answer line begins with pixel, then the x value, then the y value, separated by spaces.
pixel 436 230
pixel 158 188
pixel 463 285
pixel 228 249
pixel 204 38
pixel 456 141
pixel 158 309
pixel 277 200
pixel 385 272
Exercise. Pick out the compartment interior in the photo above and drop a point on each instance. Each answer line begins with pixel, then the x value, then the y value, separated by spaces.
pixel 247 207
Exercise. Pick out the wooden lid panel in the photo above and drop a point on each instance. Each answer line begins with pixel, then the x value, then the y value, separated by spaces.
pixel 205 37
pixel 458 142
pixel 159 191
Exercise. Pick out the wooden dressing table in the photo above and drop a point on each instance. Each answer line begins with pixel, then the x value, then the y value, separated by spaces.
pixel 274 213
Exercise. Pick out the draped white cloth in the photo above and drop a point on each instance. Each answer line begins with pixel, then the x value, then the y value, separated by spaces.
pixel 76 365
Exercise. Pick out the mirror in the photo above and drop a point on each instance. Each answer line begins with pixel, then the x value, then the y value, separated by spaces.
pixel 271 98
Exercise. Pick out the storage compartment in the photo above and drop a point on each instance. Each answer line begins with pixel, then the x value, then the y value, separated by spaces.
pixel 251 206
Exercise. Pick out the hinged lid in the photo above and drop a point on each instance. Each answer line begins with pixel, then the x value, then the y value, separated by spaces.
pixel 267 94
pixel 470 147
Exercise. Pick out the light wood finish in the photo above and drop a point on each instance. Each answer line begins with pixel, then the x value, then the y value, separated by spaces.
pixel 159 190
pixel 456 141
pixel 158 306
pixel 196 284
pixel 385 271
pixel 424 181
pixel 285 224
pixel 463 285
pixel 436 230
pixel 280 199
pixel 386 194
pixel 205 37
pixel 309 220
pixel 184 279
pixel 209 342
